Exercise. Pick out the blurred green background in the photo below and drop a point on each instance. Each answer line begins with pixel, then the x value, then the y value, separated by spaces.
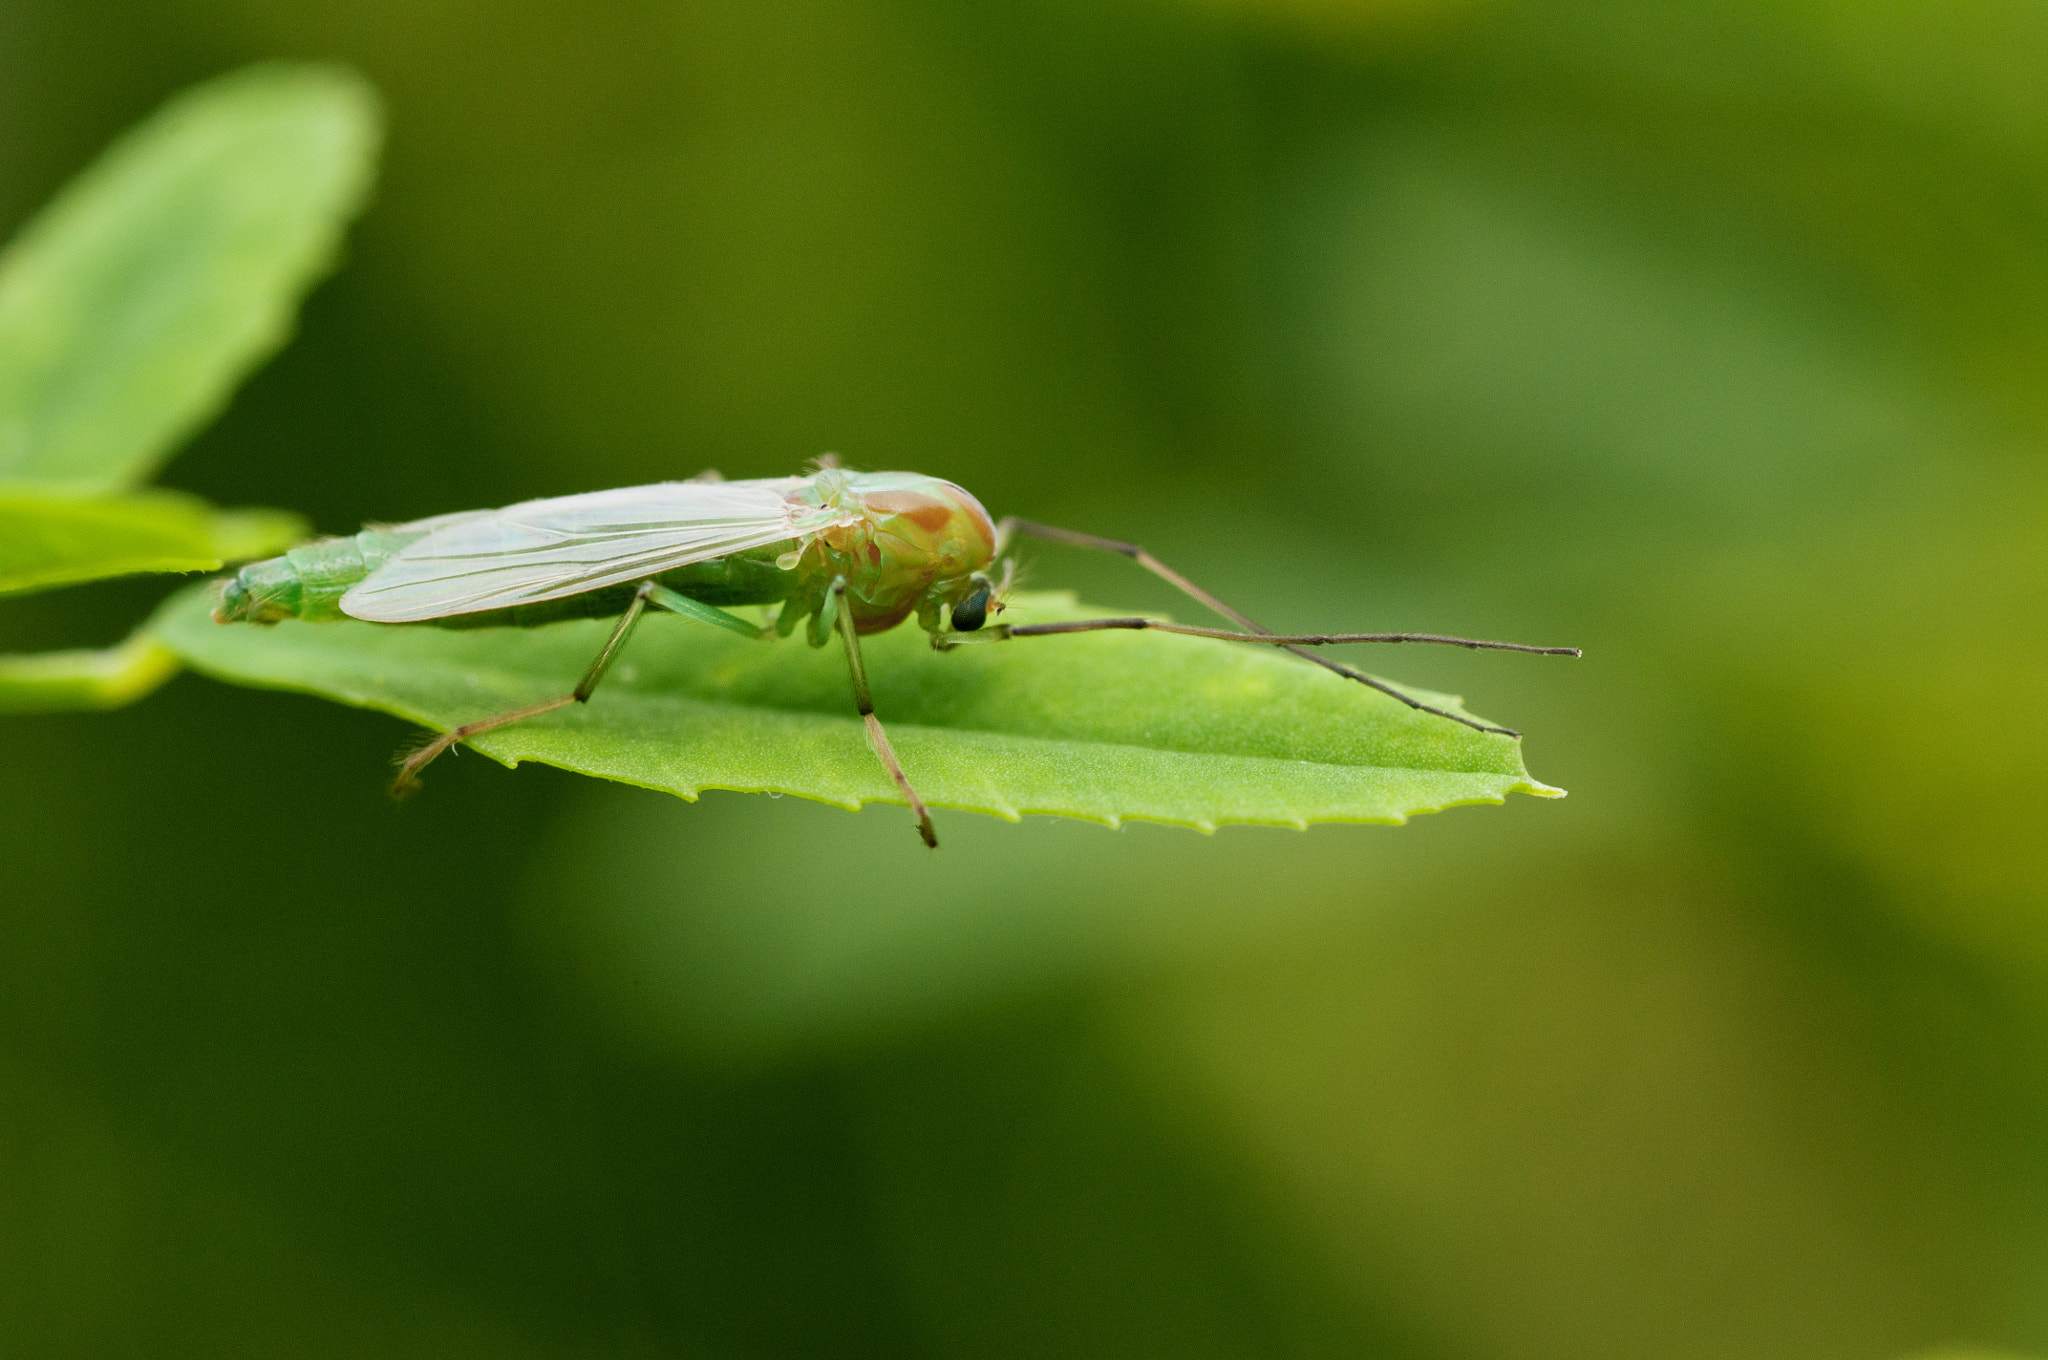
pixel 1707 334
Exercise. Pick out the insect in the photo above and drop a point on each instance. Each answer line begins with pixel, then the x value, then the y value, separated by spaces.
pixel 850 552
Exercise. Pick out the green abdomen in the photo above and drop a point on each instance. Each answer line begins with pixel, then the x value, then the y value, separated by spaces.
pixel 309 581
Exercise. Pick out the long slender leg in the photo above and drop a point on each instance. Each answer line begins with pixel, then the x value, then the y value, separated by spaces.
pixel 650 592
pixel 1290 642
pixel 876 735
pixel 1137 623
pixel 1013 525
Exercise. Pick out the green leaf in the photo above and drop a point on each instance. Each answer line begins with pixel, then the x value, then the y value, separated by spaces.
pixel 1104 727
pixel 134 304
pixel 50 541
pixel 55 682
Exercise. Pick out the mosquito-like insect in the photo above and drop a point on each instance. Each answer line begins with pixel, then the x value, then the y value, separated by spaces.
pixel 852 552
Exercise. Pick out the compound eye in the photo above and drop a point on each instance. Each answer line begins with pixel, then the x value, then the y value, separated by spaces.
pixel 971 612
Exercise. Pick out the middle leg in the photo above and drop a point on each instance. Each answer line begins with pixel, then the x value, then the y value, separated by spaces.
pixel 866 704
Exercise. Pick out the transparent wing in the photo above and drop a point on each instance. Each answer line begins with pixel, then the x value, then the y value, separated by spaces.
pixel 544 550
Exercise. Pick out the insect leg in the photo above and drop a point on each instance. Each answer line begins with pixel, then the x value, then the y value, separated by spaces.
pixel 1289 642
pixel 876 735
pixel 649 593
pixel 829 610
pixel 1137 623
pixel 1012 526
pixel 662 597
pixel 408 780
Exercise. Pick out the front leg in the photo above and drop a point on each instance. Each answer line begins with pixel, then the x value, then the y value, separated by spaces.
pixel 1291 642
pixel 1297 643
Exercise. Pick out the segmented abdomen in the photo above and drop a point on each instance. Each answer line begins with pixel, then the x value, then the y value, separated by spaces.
pixel 308 581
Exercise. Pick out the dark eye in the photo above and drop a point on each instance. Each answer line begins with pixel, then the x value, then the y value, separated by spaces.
pixel 971 612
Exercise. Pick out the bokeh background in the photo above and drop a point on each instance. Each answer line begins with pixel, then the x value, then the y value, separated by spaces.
pixel 1709 335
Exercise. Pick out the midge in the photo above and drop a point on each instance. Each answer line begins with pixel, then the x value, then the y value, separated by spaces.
pixel 852 552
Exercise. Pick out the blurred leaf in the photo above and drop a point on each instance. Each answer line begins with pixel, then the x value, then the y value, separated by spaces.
pixel 1819 653
pixel 55 682
pixel 748 967
pixel 252 532
pixel 57 540
pixel 1477 332
pixel 1445 1090
pixel 1104 728
pixel 1347 22
pixel 133 305
pixel 128 311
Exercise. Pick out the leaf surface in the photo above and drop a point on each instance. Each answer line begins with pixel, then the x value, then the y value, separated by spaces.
pixel 132 305
pixel 62 682
pixel 50 541
pixel 1104 727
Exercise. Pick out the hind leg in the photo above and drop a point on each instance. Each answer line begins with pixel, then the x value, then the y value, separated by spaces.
pixel 650 592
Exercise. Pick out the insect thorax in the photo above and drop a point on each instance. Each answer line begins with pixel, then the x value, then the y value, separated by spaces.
pixel 911 541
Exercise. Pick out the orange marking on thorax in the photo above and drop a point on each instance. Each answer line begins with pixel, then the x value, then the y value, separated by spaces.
pixel 926 512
